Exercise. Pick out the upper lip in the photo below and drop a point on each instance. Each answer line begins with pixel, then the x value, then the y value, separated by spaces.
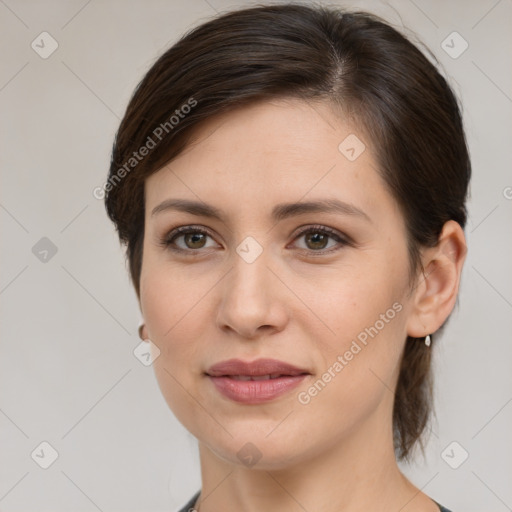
pixel 254 368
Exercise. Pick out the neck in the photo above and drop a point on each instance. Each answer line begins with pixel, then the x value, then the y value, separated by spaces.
pixel 356 473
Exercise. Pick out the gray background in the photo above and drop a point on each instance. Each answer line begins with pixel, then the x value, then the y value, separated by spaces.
pixel 68 375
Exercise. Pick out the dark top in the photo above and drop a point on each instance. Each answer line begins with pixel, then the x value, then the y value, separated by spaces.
pixel 189 507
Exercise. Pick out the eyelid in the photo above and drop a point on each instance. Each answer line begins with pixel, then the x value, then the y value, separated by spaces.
pixel 320 227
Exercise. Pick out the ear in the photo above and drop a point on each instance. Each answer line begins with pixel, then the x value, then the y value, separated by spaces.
pixel 436 290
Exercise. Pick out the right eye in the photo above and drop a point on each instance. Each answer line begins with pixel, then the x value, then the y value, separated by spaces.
pixel 193 238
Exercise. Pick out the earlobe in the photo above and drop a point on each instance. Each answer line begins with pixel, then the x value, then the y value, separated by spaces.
pixel 142 330
pixel 437 288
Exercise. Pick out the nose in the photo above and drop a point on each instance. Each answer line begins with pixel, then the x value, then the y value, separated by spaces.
pixel 254 300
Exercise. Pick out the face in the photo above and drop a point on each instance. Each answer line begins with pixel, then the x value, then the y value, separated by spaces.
pixel 323 290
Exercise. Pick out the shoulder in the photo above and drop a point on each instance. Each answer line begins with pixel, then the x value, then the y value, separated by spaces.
pixel 189 507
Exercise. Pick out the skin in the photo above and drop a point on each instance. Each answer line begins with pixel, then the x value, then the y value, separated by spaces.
pixel 336 452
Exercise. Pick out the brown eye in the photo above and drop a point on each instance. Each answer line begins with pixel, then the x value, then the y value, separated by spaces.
pixel 186 239
pixel 316 240
pixel 194 240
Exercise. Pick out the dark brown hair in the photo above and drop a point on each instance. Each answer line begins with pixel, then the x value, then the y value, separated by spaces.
pixel 354 61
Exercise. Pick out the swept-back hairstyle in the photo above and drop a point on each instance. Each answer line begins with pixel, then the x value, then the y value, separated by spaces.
pixel 356 62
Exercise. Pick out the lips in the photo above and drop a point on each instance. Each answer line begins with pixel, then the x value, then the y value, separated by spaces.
pixel 261 369
pixel 255 382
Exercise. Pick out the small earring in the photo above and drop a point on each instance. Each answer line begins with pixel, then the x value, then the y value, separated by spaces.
pixel 427 340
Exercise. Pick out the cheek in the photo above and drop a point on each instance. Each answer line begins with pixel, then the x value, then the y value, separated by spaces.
pixel 365 314
pixel 359 364
pixel 353 299
pixel 170 302
pixel 174 315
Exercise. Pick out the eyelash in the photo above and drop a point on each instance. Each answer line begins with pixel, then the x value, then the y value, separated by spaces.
pixel 168 241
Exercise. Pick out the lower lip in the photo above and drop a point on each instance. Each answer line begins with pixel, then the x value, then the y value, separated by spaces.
pixel 256 391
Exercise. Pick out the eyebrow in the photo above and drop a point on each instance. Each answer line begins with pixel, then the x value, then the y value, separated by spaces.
pixel 279 212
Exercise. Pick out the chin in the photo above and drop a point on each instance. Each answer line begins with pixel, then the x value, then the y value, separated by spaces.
pixel 258 451
pixel 258 457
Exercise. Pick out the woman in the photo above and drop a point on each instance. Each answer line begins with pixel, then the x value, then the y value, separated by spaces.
pixel 290 183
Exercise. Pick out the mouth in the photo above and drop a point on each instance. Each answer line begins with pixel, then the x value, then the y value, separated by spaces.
pixel 260 368
pixel 257 381
pixel 259 377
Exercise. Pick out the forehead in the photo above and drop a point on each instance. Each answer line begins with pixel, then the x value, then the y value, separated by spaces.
pixel 273 151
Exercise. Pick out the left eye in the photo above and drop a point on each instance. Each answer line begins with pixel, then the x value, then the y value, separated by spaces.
pixel 316 239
